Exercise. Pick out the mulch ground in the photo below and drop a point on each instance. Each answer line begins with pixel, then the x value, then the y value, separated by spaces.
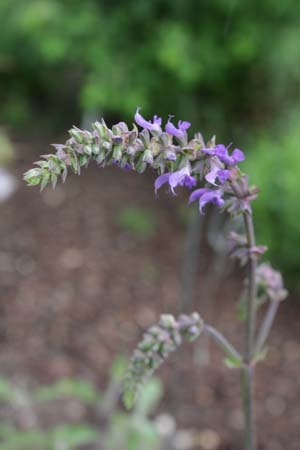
pixel 77 289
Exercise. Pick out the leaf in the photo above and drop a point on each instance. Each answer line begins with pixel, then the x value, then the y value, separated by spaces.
pixel 14 439
pixel 233 363
pixel 6 390
pixel 118 368
pixel 149 397
pixel 129 397
pixel 45 181
pixel 72 436
pixel 53 180
pixel 261 355
pixel 79 389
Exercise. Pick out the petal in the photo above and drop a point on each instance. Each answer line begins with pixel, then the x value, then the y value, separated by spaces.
pixel 212 175
pixel 213 196
pixel 139 119
pixel 208 151
pixel 171 129
pixel 156 120
pixel 147 124
pixel 189 182
pixel 177 177
pixel 237 155
pixel 183 125
pixel 161 180
pixel 223 175
pixel 195 195
pixel 221 151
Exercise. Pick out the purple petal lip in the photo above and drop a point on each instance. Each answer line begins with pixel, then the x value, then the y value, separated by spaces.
pixel 178 132
pixel 155 125
pixel 181 177
pixel 161 180
pixel 205 196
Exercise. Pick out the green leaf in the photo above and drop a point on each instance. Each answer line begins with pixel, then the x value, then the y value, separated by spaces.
pixel 261 355
pixel 233 363
pixel 72 436
pixel 129 397
pixel 118 368
pixel 149 397
pixel 79 389
pixel 6 390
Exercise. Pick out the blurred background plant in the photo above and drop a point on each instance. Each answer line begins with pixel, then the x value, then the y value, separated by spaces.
pixel 105 427
pixel 139 222
pixel 229 67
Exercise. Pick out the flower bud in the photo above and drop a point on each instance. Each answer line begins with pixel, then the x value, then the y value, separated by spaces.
pixel 141 165
pixel 33 176
pixel 102 129
pixel 148 157
pixel 145 138
pixel 117 152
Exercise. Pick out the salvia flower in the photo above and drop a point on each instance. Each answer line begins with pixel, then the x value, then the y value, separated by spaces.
pixel 155 125
pixel 217 172
pixel 180 131
pixel 222 153
pixel 207 195
pixel 181 177
pixel 156 345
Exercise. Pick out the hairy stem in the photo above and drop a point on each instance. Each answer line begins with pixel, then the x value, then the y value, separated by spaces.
pixel 266 326
pixel 247 382
pixel 248 370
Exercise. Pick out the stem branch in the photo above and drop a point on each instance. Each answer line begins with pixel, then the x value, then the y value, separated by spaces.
pixel 222 342
pixel 248 370
pixel 266 326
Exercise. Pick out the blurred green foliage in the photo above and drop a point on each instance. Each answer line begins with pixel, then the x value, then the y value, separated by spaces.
pixel 6 148
pixel 139 222
pixel 230 67
pixel 218 62
pixel 274 167
pixel 116 429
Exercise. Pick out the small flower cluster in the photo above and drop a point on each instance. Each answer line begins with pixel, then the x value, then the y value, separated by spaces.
pixel 270 283
pixel 238 248
pixel 178 160
pixel 157 343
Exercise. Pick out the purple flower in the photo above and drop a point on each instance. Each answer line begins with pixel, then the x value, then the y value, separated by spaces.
pixel 155 125
pixel 222 153
pixel 179 132
pixel 207 195
pixel 170 155
pixel 223 175
pixel 180 178
pixel 216 172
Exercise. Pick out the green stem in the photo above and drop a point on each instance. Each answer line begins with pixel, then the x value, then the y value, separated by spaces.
pixel 248 370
